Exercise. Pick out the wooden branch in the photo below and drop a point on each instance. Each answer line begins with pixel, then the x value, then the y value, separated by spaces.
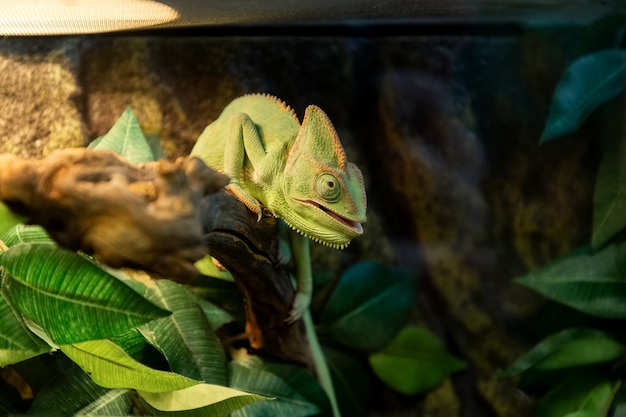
pixel 143 216
pixel 249 250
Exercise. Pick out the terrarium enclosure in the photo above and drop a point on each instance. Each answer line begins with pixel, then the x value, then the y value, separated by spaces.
pixel 491 142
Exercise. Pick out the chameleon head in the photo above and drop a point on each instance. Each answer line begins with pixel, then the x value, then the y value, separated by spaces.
pixel 324 193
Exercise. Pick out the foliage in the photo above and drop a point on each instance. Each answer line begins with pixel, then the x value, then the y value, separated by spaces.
pixel 580 367
pixel 424 359
pixel 588 82
pixel 369 306
pixel 110 342
pixel 8 219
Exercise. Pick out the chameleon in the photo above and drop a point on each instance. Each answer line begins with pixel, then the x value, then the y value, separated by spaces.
pixel 298 172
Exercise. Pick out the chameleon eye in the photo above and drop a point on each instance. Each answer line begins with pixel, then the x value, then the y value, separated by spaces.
pixel 328 188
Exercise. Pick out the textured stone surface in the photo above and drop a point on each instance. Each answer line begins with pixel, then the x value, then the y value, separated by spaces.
pixel 40 96
pixel 445 130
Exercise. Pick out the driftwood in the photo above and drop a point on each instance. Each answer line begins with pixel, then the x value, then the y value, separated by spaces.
pixel 143 216
pixel 160 217
pixel 248 248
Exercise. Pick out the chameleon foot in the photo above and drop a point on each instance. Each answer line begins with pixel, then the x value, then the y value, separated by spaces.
pixel 300 304
pixel 250 202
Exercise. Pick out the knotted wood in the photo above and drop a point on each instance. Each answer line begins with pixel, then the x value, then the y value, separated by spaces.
pixel 248 249
pixel 144 216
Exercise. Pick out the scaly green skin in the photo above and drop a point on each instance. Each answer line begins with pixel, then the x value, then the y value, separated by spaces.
pixel 299 173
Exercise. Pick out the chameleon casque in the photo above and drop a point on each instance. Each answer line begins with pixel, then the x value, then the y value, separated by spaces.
pixel 298 172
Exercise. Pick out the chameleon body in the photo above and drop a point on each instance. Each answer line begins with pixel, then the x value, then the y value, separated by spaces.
pixel 298 172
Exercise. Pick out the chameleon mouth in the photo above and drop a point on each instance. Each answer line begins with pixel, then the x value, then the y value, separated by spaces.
pixel 354 226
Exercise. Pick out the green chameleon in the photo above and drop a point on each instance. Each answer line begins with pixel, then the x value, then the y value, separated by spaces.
pixel 299 173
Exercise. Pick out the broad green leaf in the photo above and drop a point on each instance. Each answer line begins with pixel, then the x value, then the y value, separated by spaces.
pixel 609 199
pixel 17 343
pixel 295 390
pixel 228 298
pixel 186 337
pixel 111 367
pixel 588 82
pixel 126 139
pixel 154 141
pixel 8 219
pixel 138 348
pixel 570 347
pixel 25 234
pixel 216 315
pixel 73 393
pixel 589 396
pixel 219 292
pixel 70 297
pixel 584 352
pixel 200 400
pixel 593 283
pixel 351 380
pixel 414 362
pixel 116 402
pixel 208 268
pixel 369 306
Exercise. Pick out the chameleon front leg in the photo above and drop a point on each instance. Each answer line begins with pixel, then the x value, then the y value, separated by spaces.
pixel 245 141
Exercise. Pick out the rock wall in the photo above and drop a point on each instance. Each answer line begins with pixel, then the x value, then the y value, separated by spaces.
pixel 444 128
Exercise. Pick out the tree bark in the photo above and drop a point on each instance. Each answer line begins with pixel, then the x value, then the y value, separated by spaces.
pixel 248 249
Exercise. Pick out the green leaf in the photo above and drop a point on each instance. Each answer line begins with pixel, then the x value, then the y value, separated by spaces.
pixel 414 362
pixel 369 306
pixel 138 348
pixel 219 292
pixel 593 283
pixel 609 199
pixel 351 380
pixel 111 367
pixel 154 141
pixel 186 337
pixel 8 219
pixel 216 315
pixel 73 393
pixel 207 267
pixel 578 397
pixel 588 82
pixel 126 139
pixel 200 400
pixel 25 234
pixel 295 390
pixel 17 343
pixel 70 297
pixel 570 347
pixel 584 352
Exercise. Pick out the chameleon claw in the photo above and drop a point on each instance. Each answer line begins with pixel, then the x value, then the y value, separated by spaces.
pixel 250 202
pixel 300 304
